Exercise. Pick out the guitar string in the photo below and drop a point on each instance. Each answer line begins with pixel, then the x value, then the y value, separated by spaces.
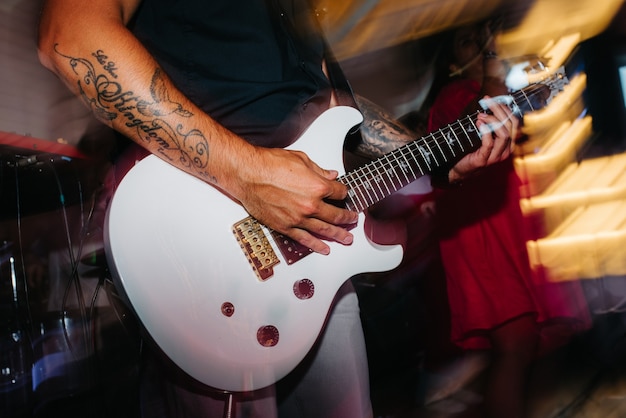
pixel 384 168
pixel 386 163
pixel 429 139
pixel 363 188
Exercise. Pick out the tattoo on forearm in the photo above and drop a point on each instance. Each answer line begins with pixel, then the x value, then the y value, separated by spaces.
pixel 99 87
pixel 108 66
pixel 380 132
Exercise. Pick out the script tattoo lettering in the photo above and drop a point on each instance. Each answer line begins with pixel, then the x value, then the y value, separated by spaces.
pixel 98 86
pixel 107 66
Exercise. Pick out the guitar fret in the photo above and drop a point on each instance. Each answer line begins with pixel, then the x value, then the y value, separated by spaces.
pixel 475 130
pixel 466 130
pixel 413 158
pixel 424 157
pixel 431 153
pixel 358 197
pixel 457 137
pixel 385 178
pixel 376 176
pixel 378 180
pixel 348 201
pixel 432 135
pixel 403 169
pixel 421 168
pixel 350 204
pixel 391 177
pixel 373 176
pixel 448 140
pixel 417 163
pixel 359 194
pixel 348 181
pixel 408 166
pixel 367 187
pixel 440 151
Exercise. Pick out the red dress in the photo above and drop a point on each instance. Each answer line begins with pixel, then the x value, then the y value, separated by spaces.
pixel 483 246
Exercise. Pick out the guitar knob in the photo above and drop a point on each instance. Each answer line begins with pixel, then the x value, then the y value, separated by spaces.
pixel 304 289
pixel 228 309
pixel 267 336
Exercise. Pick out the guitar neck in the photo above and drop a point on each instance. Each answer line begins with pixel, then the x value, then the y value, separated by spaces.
pixel 380 178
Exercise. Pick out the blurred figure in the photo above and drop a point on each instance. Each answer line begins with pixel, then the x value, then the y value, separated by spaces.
pixel 495 307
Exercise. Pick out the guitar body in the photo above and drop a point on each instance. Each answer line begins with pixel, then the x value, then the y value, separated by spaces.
pixel 169 242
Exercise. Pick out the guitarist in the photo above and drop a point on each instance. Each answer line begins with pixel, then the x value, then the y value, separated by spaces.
pixel 217 88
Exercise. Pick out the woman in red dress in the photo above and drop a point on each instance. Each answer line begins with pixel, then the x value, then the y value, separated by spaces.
pixel 495 303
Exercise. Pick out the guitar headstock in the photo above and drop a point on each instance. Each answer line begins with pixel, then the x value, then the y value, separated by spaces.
pixel 531 80
pixel 535 96
pixel 540 94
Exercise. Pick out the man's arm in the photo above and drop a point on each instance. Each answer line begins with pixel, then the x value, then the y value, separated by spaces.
pixel 100 60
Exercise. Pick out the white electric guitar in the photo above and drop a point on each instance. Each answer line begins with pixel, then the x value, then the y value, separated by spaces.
pixel 232 303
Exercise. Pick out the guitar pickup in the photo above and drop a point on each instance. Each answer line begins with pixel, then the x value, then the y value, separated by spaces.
pixel 256 247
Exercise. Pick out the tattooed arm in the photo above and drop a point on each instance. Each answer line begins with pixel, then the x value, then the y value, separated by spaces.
pixel 89 47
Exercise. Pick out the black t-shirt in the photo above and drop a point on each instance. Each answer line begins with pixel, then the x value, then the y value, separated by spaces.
pixel 253 65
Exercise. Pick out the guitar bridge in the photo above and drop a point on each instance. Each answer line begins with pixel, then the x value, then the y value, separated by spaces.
pixel 256 247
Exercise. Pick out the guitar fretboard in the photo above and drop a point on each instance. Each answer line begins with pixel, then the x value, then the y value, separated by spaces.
pixel 380 178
